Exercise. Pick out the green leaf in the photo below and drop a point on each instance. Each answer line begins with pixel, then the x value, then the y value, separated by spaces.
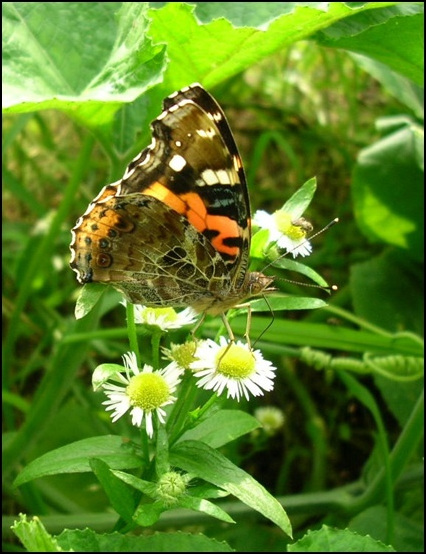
pixel 120 495
pixel 206 507
pixel 251 14
pixel 400 87
pixel 104 372
pixel 205 462
pixel 148 514
pixel 328 539
pixel 88 297
pixel 116 65
pixel 387 189
pixel 88 541
pixel 259 242
pixel 278 303
pixel 141 485
pixel 34 536
pixel 408 534
pixel 300 200
pixel 386 291
pixel 391 35
pixel 291 265
pixel 221 428
pixel 75 458
pixel 226 50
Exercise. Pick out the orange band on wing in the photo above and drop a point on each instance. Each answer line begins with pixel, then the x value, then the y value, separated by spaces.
pixel 227 228
pixel 196 210
pixel 191 205
pixel 161 192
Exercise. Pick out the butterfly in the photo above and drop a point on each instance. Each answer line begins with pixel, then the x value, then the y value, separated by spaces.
pixel 176 229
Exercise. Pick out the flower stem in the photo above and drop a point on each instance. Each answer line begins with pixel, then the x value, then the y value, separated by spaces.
pixel 131 330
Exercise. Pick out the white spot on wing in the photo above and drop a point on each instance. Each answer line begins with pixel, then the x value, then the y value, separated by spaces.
pixel 216 116
pixel 209 177
pixel 206 133
pixel 237 163
pixel 177 163
pixel 223 177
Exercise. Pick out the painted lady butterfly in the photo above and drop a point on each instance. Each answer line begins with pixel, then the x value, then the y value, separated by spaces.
pixel 175 230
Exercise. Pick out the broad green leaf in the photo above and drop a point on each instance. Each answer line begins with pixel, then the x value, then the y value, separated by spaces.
pixel 391 35
pixel 205 462
pixel 251 14
pixel 259 243
pixel 388 190
pixel 408 532
pixel 75 458
pixel 400 87
pixel 221 428
pixel 115 66
pixel 226 50
pixel 386 291
pixel 328 539
pixel 88 541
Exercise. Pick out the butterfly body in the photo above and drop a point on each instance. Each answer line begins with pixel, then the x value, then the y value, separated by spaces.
pixel 175 230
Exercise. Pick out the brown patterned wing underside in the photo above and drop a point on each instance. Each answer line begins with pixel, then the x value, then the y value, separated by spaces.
pixel 137 244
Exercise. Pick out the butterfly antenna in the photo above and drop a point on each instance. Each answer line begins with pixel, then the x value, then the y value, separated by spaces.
pixel 328 289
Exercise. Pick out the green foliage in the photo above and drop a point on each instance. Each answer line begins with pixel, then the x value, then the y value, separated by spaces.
pixel 331 90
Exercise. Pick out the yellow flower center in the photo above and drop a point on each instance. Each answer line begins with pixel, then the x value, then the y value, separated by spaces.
pixel 286 227
pixel 235 361
pixel 169 314
pixel 183 354
pixel 148 391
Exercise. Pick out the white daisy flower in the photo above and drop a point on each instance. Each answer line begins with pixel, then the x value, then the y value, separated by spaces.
pixel 233 367
pixel 144 392
pixel 285 232
pixel 164 318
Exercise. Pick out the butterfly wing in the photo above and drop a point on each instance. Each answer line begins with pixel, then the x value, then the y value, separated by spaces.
pixel 193 165
pixel 140 246
pixel 176 229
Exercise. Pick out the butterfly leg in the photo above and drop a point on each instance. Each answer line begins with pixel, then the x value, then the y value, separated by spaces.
pixel 228 328
pixel 248 327
pixel 198 325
